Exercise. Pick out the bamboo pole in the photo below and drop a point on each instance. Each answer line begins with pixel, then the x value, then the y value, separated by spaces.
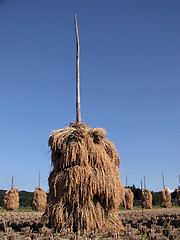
pixel 78 109
pixel 12 182
pixel 141 199
pixel 39 177
pixel 144 182
pixel 163 180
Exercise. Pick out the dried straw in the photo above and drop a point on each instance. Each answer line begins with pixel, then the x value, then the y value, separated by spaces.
pixel 11 199
pixel 39 199
pixel 85 190
pixel 128 199
pixel 146 199
pixel 165 198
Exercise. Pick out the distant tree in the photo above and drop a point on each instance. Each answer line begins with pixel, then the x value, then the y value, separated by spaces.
pixel 2 192
pixel 136 192
pixel 25 199
pixel 137 195
pixel 155 198
pixel 174 194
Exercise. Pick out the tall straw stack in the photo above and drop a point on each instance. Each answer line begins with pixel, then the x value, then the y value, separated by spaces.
pixel 85 190
pixel 146 199
pixel 39 199
pixel 165 198
pixel 11 199
pixel 128 201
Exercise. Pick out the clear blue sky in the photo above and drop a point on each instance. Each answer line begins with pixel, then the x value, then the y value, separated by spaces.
pixel 130 84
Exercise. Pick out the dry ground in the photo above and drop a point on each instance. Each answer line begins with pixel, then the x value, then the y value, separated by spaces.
pixel 146 224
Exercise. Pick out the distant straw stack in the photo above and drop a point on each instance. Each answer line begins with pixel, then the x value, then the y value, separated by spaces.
pixel 85 190
pixel 39 199
pixel 146 199
pixel 128 199
pixel 165 198
pixel 11 199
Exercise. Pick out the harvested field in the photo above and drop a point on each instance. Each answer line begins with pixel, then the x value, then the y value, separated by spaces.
pixel 146 224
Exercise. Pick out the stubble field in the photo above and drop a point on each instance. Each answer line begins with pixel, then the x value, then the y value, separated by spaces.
pixel 139 224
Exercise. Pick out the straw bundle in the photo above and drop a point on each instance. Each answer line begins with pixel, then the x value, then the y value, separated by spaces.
pixel 146 199
pixel 39 199
pixel 178 197
pixel 11 199
pixel 165 198
pixel 85 190
pixel 128 199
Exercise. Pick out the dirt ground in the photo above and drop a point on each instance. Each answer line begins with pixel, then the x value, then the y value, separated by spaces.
pixel 139 224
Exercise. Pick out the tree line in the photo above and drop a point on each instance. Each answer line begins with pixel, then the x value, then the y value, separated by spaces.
pixel 155 195
pixel 25 197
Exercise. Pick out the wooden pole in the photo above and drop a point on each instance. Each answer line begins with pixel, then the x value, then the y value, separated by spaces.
pixel 12 182
pixel 144 182
pixel 39 177
pixel 141 199
pixel 78 109
pixel 163 180
pixel 126 181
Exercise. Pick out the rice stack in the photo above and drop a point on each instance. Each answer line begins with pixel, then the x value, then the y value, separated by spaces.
pixel 85 190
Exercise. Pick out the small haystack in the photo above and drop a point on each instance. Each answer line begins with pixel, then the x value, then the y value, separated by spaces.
pixel 85 190
pixel 11 199
pixel 165 198
pixel 146 199
pixel 39 199
pixel 128 199
pixel 178 196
